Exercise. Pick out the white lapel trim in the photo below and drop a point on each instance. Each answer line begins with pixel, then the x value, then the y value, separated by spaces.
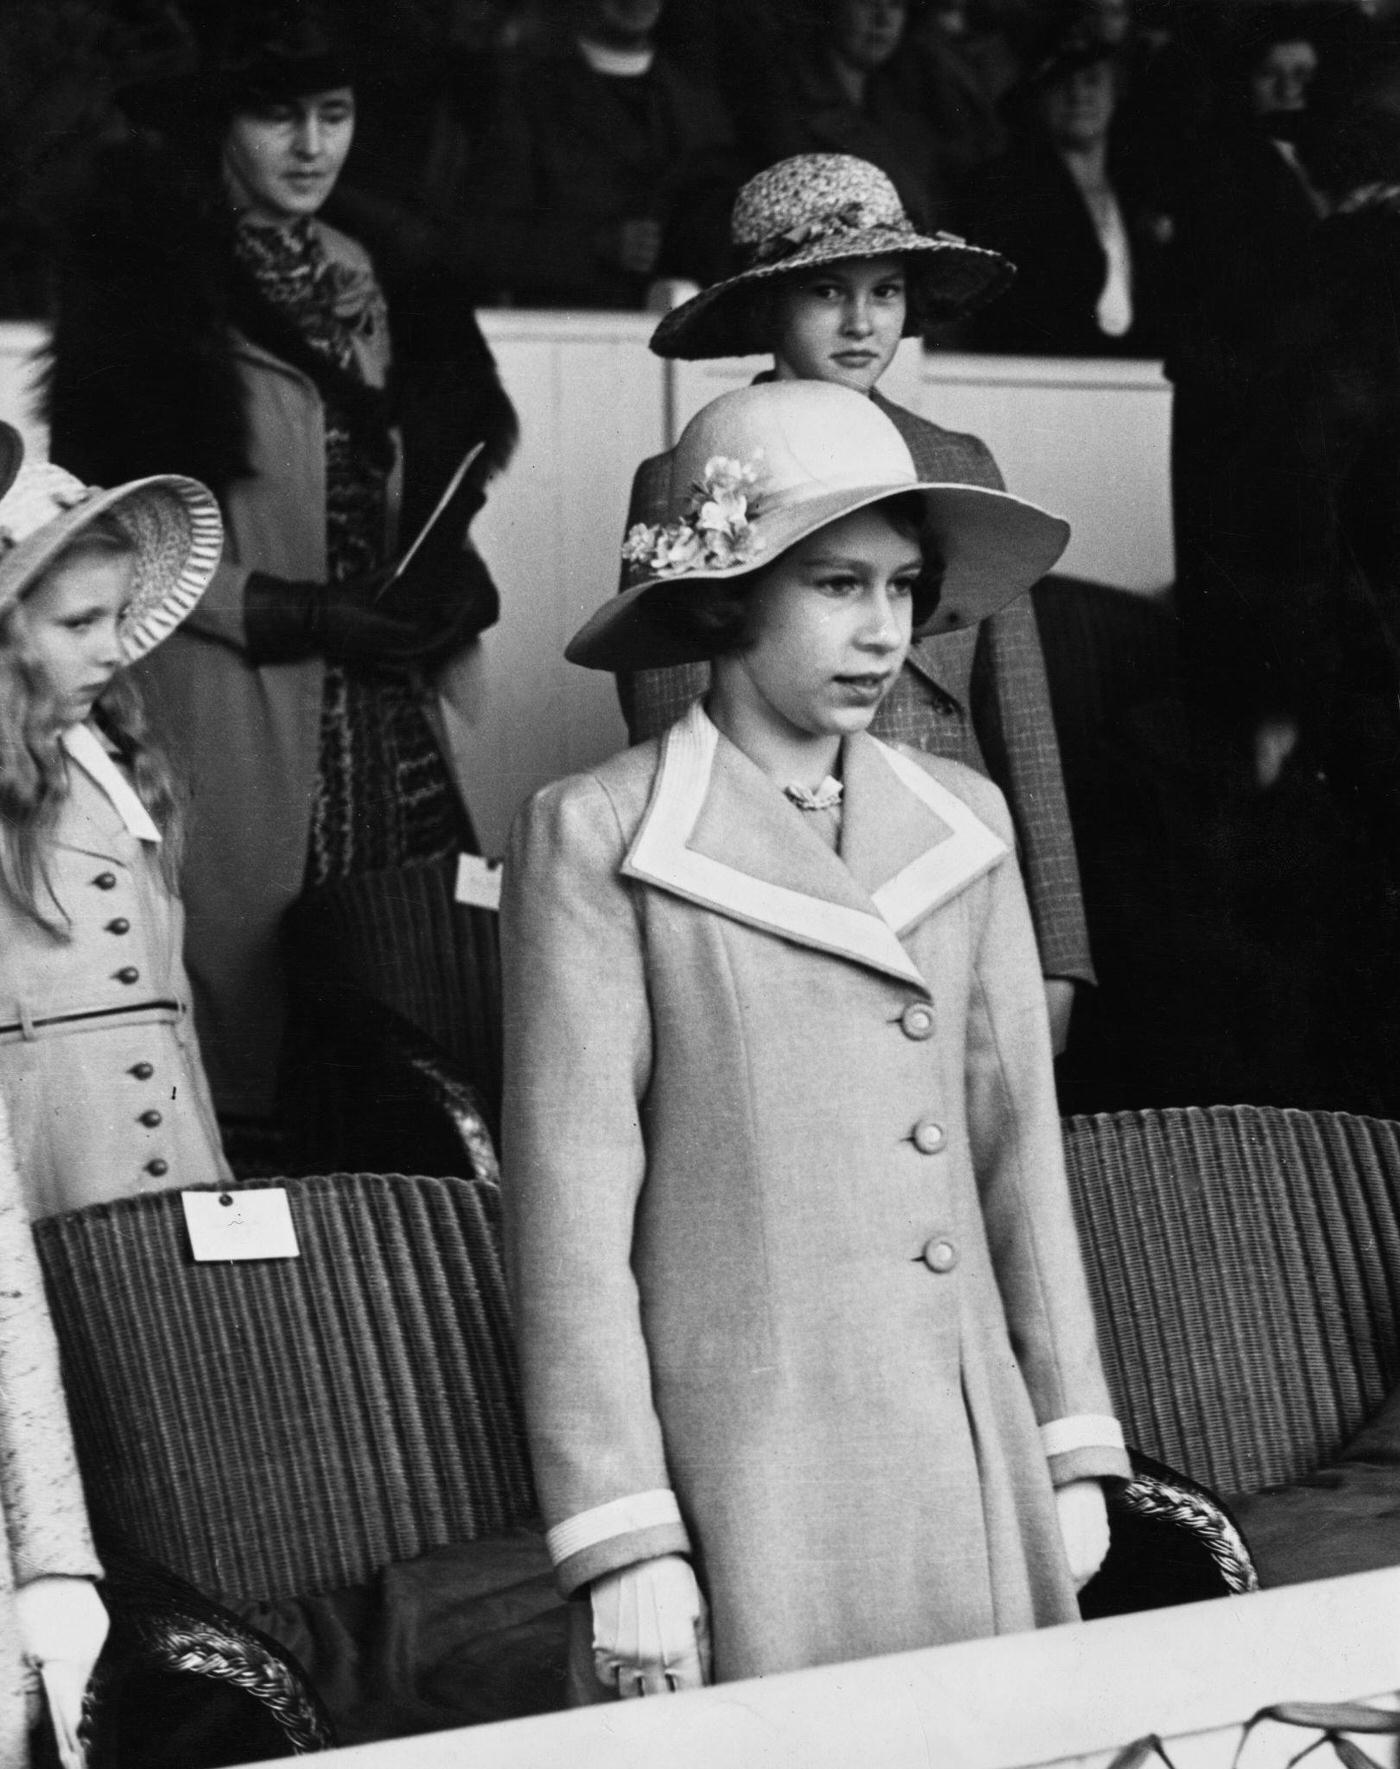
pixel 85 747
pixel 940 872
pixel 659 856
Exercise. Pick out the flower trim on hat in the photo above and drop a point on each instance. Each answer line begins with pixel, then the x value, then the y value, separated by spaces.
pixel 714 533
pixel 854 218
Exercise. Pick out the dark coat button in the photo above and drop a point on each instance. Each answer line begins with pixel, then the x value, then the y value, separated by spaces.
pixel 151 1119
pixel 142 1071
pixel 940 1254
pixel 157 1168
pixel 106 881
pixel 120 926
pixel 917 1020
pixel 128 974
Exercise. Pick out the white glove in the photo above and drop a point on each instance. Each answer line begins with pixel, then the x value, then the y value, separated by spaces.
pixel 651 1628
pixel 62 1625
pixel 1083 1528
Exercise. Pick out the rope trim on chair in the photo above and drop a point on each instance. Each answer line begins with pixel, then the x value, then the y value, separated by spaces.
pixel 1150 1496
pixel 207 1650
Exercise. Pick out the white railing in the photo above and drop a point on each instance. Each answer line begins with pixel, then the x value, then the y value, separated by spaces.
pixel 1068 1696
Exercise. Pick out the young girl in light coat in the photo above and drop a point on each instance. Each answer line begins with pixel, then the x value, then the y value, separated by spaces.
pixel 99 1067
pixel 809 1361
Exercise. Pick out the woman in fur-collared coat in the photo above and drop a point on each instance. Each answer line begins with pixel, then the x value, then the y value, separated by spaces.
pixel 211 322
pixel 809 1362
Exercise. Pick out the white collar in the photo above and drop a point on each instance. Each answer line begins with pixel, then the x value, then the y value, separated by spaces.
pixel 86 748
pixel 618 64
pixel 908 845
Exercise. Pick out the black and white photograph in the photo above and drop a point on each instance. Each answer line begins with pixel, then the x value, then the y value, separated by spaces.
pixel 700 883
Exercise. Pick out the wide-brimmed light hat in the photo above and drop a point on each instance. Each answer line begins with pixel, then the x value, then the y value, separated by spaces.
pixel 758 470
pixel 173 524
pixel 822 209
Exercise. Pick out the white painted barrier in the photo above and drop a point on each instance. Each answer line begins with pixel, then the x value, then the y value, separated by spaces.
pixel 1070 1695
pixel 1087 439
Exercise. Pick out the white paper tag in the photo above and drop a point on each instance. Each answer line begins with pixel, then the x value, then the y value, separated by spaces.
pixel 478 881
pixel 237 1224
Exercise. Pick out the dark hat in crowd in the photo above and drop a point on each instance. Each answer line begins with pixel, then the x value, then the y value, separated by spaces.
pixel 243 54
pixel 273 50
pixel 822 209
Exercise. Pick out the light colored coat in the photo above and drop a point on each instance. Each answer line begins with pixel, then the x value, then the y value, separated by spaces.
pixel 248 737
pixel 109 1097
pixel 797 1282
pixel 42 1511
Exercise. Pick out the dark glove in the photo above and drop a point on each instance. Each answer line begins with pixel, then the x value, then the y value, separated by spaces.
pixel 446 589
pixel 286 620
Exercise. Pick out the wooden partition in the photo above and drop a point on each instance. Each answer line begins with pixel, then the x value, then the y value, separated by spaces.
pixel 1086 439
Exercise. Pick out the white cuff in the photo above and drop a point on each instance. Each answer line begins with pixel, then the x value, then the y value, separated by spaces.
pixel 1081 1431
pixel 619 1517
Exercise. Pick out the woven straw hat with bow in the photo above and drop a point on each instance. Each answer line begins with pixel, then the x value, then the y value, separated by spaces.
pixel 822 209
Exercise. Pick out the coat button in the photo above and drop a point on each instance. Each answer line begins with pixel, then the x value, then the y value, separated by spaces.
pixel 128 974
pixel 917 1020
pixel 120 926
pixel 929 1136
pixel 106 881
pixel 940 1254
pixel 150 1119
pixel 157 1168
pixel 142 1071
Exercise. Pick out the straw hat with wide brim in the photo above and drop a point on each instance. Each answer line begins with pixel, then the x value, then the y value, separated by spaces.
pixel 760 469
pixel 822 209
pixel 173 524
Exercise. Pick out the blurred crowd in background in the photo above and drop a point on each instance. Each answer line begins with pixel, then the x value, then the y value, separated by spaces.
pixel 575 153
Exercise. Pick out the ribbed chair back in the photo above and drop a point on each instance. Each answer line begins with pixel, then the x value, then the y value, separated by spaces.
pixel 1245 1263
pixel 401 936
pixel 275 1427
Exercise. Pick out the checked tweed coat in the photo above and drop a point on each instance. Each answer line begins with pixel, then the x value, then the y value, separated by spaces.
pixel 797 1285
pixel 977 696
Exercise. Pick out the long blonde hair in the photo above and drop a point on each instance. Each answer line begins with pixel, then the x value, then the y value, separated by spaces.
pixel 34 765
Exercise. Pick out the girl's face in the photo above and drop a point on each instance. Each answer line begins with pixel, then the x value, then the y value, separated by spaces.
pixel 841 323
pixel 282 160
pixel 68 624
pixel 829 628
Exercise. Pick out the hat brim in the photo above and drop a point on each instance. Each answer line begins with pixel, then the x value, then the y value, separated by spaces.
pixel 994 547
pixel 178 535
pixel 955 279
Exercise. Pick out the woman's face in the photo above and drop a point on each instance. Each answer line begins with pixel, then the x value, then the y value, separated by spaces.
pixel 69 625
pixel 282 161
pixel 1280 79
pixel 829 628
pixel 866 33
pixel 1079 108
pixel 841 323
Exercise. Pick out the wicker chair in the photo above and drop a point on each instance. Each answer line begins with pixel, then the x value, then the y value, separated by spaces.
pixel 385 960
pixel 279 1427
pixel 1245 1264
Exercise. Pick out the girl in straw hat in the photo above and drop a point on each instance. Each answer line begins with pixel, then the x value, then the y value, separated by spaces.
pixel 98 1062
pixel 832 275
pixel 809 1364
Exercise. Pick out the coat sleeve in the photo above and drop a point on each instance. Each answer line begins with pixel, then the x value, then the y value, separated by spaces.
pixel 577 1062
pixel 45 1513
pixel 1016 728
pixel 1018 1157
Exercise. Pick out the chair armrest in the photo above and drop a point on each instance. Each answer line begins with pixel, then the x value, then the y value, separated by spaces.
pixel 385 1097
pixel 182 1681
